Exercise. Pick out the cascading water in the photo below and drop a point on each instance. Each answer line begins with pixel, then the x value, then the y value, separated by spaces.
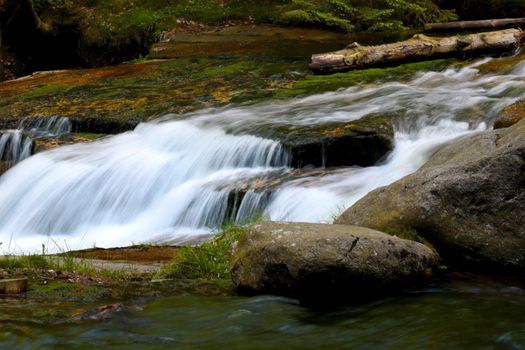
pixel 182 176
pixel 17 144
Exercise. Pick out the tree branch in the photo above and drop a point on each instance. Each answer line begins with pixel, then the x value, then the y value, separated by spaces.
pixel 40 25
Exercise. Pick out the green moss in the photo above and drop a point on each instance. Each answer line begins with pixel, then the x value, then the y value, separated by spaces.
pixel 89 136
pixel 52 288
pixel 348 16
pixel 44 91
pixel 320 83
pixel 210 260
pixel 224 70
pixel 408 233
pixel 501 64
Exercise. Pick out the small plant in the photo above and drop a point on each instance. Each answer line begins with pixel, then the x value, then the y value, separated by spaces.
pixel 211 260
pixel 25 262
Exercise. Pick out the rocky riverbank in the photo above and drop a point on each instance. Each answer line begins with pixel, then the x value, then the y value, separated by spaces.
pixel 482 222
pixel 467 200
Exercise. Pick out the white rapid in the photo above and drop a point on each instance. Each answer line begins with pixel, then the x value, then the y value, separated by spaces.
pixel 14 146
pixel 179 177
pixel 17 144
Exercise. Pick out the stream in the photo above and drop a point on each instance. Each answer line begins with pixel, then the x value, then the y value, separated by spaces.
pixel 172 180
pixel 178 178
pixel 463 314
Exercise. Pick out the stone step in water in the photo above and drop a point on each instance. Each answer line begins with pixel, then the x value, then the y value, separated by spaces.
pixel 13 286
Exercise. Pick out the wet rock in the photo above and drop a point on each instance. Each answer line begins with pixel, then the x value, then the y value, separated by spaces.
pixel 13 286
pixel 4 166
pixel 100 313
pixel 9 123
pixel 312 260
pixel 106 125
pixel 362 142
pixel 510 115
pixel 468 201
pixel 248 197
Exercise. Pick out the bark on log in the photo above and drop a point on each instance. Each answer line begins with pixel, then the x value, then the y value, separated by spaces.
pixel 419 47
pixel 470 25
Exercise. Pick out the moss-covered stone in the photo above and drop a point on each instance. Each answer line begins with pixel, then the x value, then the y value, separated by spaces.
pixel 311 261
pixel 362 142
pixel 510 115
pixel 467 200
pixel 320 83
pixel 501 64
pixel 269 62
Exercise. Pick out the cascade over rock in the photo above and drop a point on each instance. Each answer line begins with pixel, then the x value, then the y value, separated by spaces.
pixel 183 175
pixel 468 200
pixel 361 142
pixel 311 260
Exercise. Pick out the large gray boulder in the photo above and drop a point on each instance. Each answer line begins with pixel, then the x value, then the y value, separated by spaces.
pixel 468 200
pixel 312 260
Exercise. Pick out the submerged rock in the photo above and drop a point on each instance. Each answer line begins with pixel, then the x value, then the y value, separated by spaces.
pixel 361 142
pixel 510 115
pixel 468 200
pixel 311 260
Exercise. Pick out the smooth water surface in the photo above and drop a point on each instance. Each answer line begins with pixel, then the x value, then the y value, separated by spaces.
pixel 455 315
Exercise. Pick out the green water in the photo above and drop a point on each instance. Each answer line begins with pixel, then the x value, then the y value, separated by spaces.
pixel 452 315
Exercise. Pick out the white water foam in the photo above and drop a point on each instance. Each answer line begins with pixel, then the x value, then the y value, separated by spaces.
pixel 17 144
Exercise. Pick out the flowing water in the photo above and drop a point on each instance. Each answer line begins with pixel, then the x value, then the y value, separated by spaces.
pixel 181 176
pixel 17 144
pixel 465 314
pixel 175 177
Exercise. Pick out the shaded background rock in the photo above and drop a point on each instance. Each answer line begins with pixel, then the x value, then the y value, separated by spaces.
pixel 468 201
pixel 311 261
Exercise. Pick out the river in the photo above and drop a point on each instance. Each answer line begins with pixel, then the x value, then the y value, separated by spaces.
pixel 471 313
pixel 170 180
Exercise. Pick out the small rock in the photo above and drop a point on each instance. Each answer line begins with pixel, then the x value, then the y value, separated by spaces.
pixel 100 313
pixel 510 115
pixel 13 286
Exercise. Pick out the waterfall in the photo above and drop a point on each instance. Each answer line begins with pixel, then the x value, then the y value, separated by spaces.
pixel 18 144
pixel 182 176
pixel 15 146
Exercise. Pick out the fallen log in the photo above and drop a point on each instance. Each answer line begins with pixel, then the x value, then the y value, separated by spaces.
pixel 419 47
pixel 476 25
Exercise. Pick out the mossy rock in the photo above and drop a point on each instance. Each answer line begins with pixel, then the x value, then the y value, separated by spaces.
pixel 313 261
pixel 468 201
pixel 510 115
pixel 362 142
pixel 105 125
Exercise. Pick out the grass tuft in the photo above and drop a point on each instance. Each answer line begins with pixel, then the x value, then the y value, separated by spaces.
pixel 211 260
